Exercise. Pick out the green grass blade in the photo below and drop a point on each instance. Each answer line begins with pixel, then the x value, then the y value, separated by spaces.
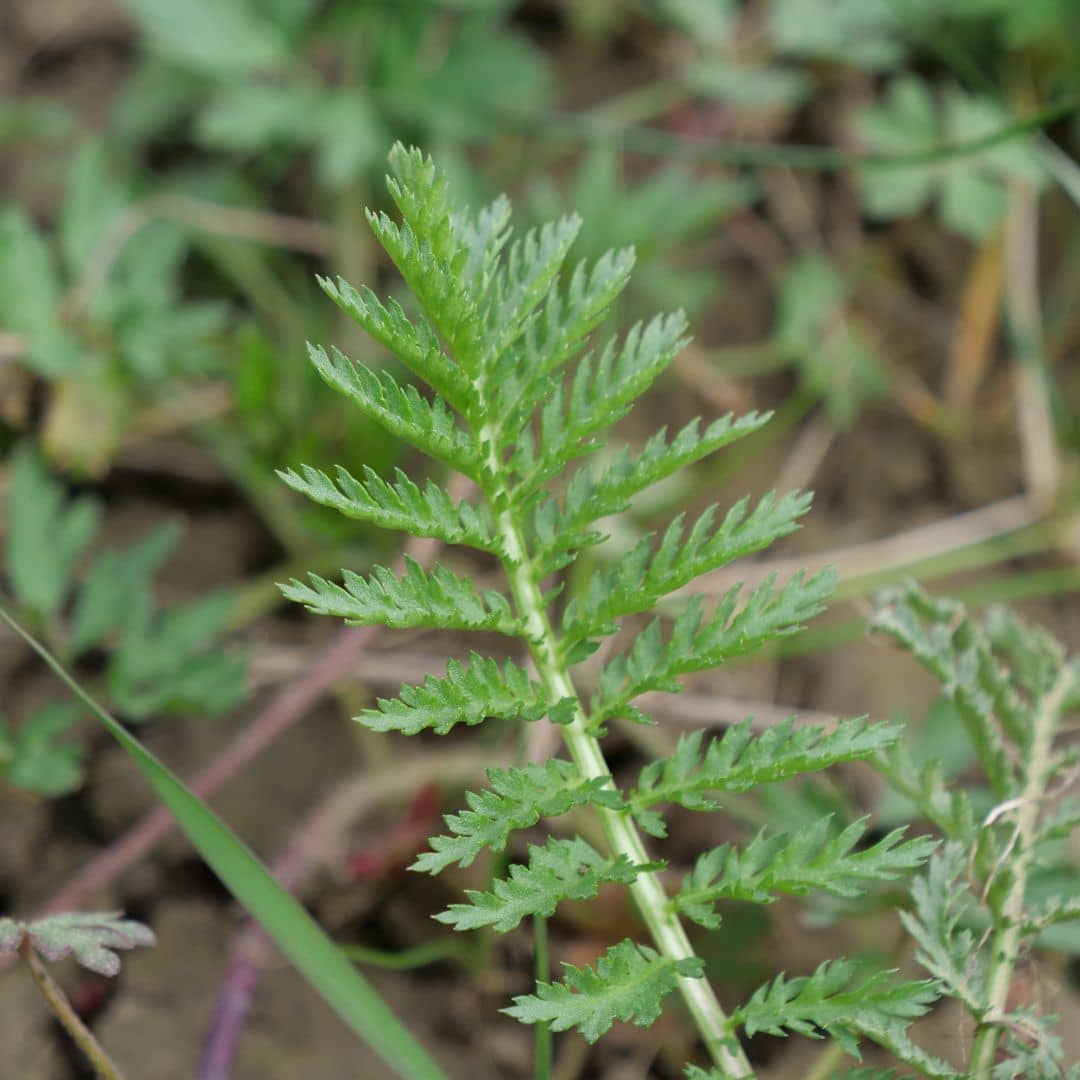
pixel 294 931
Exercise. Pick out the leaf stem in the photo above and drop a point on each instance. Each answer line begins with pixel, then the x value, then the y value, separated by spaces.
pixel 1008 934
pixel 542 1063
pixel 622 834
pixel 68 1018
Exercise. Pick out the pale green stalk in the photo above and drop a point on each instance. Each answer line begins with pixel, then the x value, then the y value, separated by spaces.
pixel 622 834
pixel 67 1017
pixel 1005 951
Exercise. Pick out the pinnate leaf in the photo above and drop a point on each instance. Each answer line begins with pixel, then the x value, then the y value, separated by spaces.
pixel 467 695
pixel 644 576
pixel 738 761
pixel 653 664
pixel 628 983
pixel 589 498
pixel 518 798
pixel 601 392
pixel 834 1002
pixel 523 376
pixel 529 271
pixel 559 870
pixel 399 504
pixel 947 951
pixel 441 599
pixel 814 858
pixel 429 426
pixel 412 341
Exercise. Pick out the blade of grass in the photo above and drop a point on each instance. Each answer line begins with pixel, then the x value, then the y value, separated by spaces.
pixel 298 936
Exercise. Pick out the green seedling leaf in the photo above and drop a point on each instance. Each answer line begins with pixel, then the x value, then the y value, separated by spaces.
pixel 92 938
pixel 91 203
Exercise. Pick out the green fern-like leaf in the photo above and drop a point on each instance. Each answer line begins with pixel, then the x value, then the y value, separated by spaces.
pixel 953 648
pixel 467 695
pixel 651 664
pixel 484 237
pixel 738 760
pixel 601 392
pixel 400 505
pixel 948 952
pixel 440 599
pixel 523 377
pixel 516 395
pixel 518 799
pixel 559 870
pixel 413 341
pixel 814 858
pixel 531 266
pixel 643 577
pixel 832 1001
pixel 588 499
pixel 1012 686
pixel 429 426
pixel 628 983
pixel 429 253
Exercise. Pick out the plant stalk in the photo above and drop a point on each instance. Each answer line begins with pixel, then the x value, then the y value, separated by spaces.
pixel 1005 950
pixel 622 834
pixel 542 1062
pixel 68 1018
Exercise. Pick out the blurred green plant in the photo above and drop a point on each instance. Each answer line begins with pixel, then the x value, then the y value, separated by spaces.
pixel 664 216
pixel 970 194
pixel 1005 876
pixel 101 310
pixel 153 661
pixel 816 331
pixel 268 80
